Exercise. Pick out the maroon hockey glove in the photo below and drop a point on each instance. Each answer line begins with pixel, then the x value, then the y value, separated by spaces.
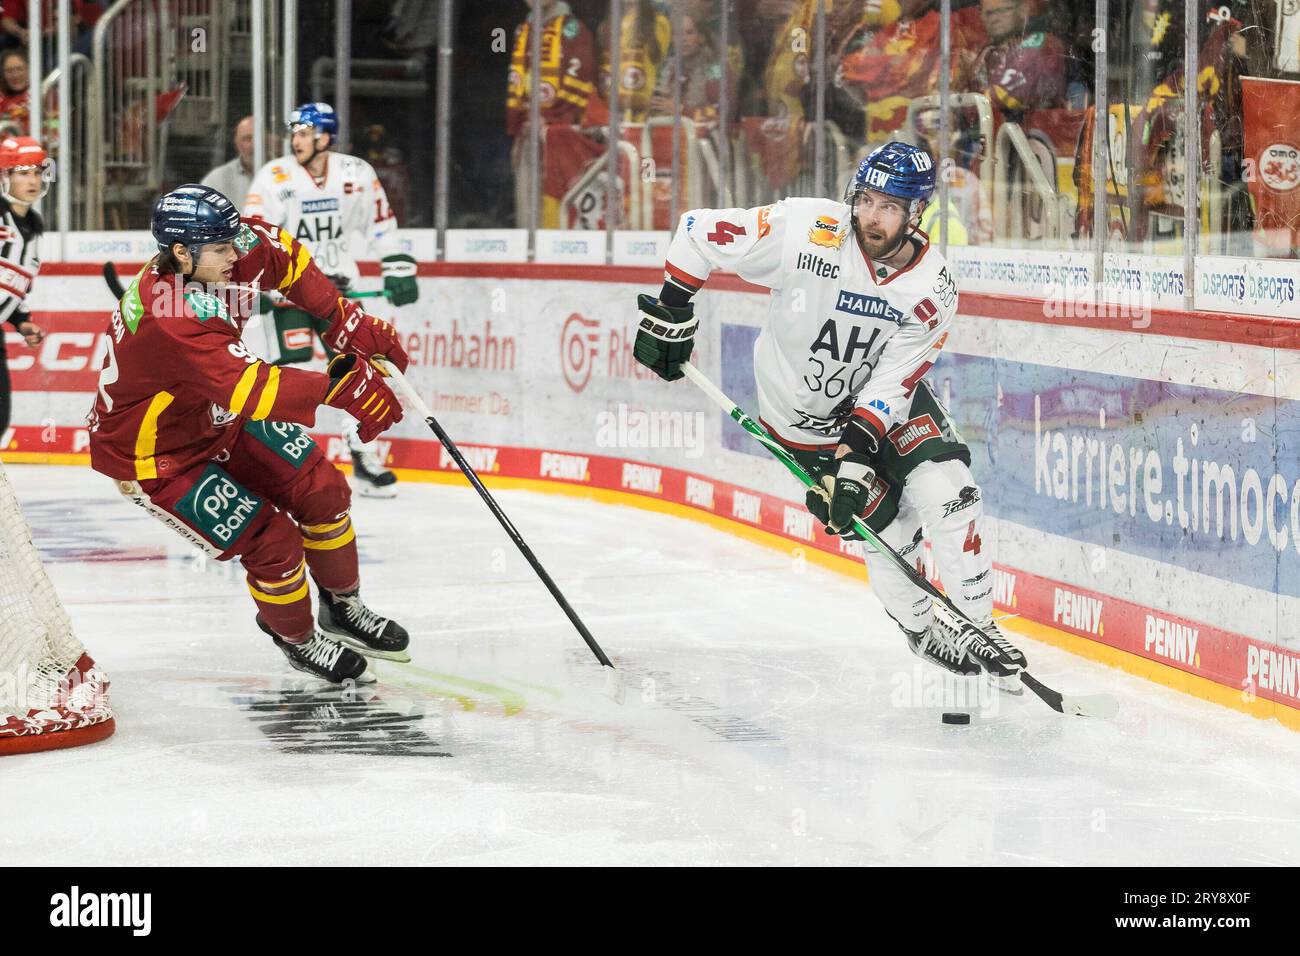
pixel 358 389
pixel 354 331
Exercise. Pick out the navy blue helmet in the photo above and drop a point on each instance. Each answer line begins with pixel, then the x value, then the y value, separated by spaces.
pixel 193 215
pixel 896 169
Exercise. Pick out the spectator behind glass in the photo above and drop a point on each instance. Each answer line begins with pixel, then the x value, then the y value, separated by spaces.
pixel 15 92
pixel 644 42
pixel 885 67
pixel 701 81
pixel 14 32
pixel 1021 68
pixel 233 178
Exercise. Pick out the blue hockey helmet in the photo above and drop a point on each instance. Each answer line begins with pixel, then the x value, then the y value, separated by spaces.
pixel 896 169
pixel 193 215
pixel 319 115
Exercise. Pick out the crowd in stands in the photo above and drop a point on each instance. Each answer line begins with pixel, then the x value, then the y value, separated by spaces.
pixel 1034 60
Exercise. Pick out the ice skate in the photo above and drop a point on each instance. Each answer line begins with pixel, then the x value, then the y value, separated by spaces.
pixel 324 658
pixel 345 618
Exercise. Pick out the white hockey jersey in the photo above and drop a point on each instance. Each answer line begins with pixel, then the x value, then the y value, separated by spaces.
pixel 840 339
pixel 346 216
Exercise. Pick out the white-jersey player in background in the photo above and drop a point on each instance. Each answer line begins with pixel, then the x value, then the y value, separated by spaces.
pixel 860 309
pixel 336 206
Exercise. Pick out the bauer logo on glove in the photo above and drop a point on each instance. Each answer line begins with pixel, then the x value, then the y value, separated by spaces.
pixel 664 337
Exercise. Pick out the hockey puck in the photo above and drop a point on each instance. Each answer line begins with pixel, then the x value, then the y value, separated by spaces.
pixel 954 718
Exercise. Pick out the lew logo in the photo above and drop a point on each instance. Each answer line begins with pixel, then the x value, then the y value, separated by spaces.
pixel 798 522
pixel 699 493
pixel 564 467
pixel 73 909
pixel 1079 611
pixel 1177 642
pixel 642 478
pixel 480 458
pixel 913 433
pixel 746 507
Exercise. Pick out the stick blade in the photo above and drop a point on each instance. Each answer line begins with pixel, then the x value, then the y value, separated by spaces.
pixel 615 686
pixel 1101 706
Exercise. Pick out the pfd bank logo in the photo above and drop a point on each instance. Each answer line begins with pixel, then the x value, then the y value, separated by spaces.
pixel 78 909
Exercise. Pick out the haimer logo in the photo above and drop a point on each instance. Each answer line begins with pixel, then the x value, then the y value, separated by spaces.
pixel 103 909
pixel 867 306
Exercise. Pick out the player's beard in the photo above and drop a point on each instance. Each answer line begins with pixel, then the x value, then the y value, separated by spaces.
pixel 877 244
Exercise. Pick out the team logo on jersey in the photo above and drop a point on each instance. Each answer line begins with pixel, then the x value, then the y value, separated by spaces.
pixel 826 232
pixel 220 416
pixel 570 28
pixel 764 227
pixel 320 205
pixel 633 78
pixel 965 498
pixel 279 174
pixel 867 306
pixel 913 433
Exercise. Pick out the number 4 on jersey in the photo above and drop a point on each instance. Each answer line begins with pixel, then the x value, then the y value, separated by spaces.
pixel 725 233
pixel 972 542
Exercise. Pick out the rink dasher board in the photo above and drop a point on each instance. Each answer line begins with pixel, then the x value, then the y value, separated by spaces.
pixel 542 367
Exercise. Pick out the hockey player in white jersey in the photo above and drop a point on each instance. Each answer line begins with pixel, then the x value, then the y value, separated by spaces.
pixel 860 308
pixel 336 206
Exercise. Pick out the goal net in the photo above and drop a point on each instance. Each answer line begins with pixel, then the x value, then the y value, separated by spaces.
pixel 52 694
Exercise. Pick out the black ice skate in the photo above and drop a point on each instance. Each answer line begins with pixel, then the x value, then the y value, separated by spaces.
pixel 321 657
pixel 938 645
pixel 1005 672
pixel 373 479
pixel 344 617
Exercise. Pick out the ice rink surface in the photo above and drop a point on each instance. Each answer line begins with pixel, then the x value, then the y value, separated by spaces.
pixel 773 714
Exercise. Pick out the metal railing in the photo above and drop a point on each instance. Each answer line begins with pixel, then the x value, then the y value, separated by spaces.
pixel 125 161
pixel 1010 218
pixel 68 144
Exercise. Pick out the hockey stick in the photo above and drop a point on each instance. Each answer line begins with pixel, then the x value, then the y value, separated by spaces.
pixel 1097 705
pixel 115 286
pixel 614 685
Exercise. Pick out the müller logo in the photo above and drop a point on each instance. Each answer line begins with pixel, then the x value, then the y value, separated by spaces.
pixel 75 909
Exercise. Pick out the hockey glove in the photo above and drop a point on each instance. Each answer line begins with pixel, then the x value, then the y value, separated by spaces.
pixel 360 390
pixel 849 497
pixel 355 332
pixel 665 336
pixel 399 279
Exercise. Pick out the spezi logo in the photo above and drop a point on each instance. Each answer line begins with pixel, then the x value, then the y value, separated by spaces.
pixel 75 909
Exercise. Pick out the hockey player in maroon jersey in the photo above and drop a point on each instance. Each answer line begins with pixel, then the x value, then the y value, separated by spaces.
pixel 207 438
pixel 25 176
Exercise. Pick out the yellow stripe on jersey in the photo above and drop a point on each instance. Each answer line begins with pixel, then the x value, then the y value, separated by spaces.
pixel 298 267
pixel 244 388
pixel 146 439
pixel 269 391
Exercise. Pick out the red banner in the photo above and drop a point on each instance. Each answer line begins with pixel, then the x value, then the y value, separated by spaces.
pixel 1272 160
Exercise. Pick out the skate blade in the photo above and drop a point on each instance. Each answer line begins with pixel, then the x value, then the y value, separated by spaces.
pixel 400 657
pixel 1009 685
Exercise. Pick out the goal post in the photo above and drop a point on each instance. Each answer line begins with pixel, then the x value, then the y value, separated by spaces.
pixel 52 694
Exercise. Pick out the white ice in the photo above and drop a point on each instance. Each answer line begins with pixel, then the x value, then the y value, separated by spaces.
pixel 773 715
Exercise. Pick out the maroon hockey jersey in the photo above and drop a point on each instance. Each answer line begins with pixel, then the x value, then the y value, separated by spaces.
pixel 177 382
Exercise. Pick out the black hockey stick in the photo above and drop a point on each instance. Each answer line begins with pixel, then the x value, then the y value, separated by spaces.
pixel 1097 705
pixel 114 283
pixel 613 676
